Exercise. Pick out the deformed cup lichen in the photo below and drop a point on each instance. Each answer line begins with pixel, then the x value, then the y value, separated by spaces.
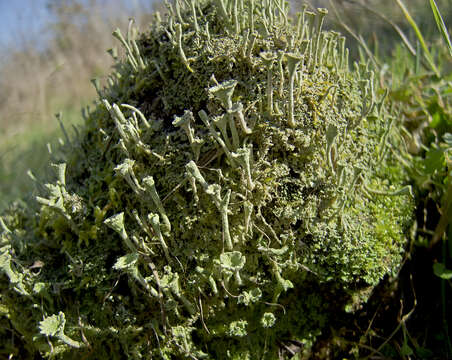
pixel 233 188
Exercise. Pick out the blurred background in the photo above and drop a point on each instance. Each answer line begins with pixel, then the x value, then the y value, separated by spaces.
pixel 49 52
pixel 50 49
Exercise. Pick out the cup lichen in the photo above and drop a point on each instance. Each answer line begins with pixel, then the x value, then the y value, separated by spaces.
pixel 233 188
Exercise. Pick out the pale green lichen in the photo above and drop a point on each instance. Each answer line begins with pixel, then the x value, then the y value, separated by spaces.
pixel 233 188
pixel 268 320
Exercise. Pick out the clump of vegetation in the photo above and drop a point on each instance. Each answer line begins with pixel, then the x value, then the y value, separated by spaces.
pixel 231 190
pixel 409 317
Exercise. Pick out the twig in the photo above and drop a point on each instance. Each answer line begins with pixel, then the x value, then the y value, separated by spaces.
pixel 202 315
pixel 401 319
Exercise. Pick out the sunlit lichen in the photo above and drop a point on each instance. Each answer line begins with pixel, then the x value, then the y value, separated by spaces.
pixel 231 190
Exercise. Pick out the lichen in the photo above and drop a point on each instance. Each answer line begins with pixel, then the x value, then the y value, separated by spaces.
pixel 232 189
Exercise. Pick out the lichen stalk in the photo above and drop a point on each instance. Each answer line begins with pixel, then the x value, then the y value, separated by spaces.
pixel 268 60
pixel 293 60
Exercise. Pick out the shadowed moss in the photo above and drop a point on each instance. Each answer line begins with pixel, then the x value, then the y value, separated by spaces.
pixel 233 188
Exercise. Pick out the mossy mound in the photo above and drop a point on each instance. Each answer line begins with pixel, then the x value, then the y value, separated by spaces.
pixel 231 190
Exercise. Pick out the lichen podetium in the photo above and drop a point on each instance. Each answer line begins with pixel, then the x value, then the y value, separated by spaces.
pixel 232 189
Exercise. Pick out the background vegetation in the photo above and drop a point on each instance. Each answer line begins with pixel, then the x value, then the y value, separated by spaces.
pixel 406 318
pixel 47 70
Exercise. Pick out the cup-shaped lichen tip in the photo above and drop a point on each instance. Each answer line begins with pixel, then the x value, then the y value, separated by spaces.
pixel 224 92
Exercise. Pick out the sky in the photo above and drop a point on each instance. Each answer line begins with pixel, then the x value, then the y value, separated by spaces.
pixel 26 20
pixel 19 17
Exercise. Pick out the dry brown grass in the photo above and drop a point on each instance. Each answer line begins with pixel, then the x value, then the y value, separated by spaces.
pixel 38 79
pixel 42 73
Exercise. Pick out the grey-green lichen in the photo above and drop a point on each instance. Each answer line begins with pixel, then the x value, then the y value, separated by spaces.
pixel 232 189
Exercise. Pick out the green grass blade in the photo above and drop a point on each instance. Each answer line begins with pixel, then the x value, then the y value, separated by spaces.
pixel 441 26
pixel 413 24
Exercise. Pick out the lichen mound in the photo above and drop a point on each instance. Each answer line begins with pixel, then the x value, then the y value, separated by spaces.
pixel 233 188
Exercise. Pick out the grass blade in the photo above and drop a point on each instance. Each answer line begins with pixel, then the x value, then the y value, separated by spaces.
pixel 359 39
pixel 413 24
pixel 441 26
pixel 396 28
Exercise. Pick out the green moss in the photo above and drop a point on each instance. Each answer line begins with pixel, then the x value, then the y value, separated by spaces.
pixel 231 190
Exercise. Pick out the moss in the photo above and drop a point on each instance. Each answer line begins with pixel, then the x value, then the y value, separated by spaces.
pixel 229 192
